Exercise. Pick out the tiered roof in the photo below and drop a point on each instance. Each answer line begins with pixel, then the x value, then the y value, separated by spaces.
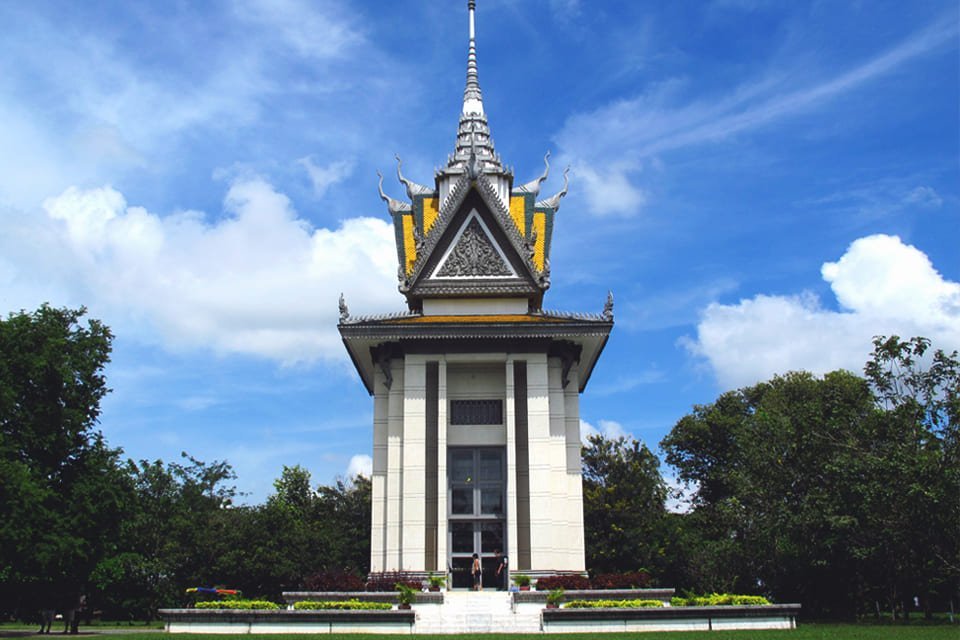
pixel 509 238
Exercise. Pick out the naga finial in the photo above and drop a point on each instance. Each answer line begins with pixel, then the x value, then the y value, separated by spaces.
pixel 344 311
pixel 608 307
pixel 394 205
pixel 553 202
pixel 534 185
pixel 413 188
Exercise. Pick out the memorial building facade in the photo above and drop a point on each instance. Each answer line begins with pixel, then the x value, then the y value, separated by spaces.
pixel 476 435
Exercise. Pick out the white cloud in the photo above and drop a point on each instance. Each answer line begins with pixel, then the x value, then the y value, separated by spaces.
pixel 884 286
pixel 636 131
pixel 259 281
pixel 324 177
pixel 360 465
pixel 607 428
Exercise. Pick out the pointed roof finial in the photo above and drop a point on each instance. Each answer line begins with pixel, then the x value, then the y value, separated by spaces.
pixel 472 98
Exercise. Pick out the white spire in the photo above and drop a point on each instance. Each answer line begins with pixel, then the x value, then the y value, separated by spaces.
pixel 472 98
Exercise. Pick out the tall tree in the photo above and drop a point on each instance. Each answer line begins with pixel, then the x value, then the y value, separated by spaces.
pixel 61 487
pixel 623 503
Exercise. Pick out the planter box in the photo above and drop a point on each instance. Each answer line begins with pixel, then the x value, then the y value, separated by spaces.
pixel 229 621
pixel 774 616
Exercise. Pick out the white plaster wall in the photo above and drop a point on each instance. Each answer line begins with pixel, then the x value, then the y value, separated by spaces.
pixel 542 552
pixel 378 480
pixel 571 398
pixel 413 492
pixel 394 531
pixel 474 306
pixel 476 380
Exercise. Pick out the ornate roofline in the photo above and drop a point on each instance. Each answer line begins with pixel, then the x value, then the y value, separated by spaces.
pixel 488 194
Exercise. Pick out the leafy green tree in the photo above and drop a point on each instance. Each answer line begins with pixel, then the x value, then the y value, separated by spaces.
pixel 623 503
pixel 171 537
pixel 61 487
pixel 834 491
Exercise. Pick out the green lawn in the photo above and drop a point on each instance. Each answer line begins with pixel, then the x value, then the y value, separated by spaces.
pixel 804 632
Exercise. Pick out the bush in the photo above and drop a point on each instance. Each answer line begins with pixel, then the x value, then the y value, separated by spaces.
pixel 334 581
pixel 388 581
pixel 237 604
pixel 718 599
pixel 613 604
pixel 348 605
pixel 633 580
pixel 568 581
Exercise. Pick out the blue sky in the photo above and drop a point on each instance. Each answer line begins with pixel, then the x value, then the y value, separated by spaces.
pixel 763 185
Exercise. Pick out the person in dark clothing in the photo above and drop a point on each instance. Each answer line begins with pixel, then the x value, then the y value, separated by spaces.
pixel 503 571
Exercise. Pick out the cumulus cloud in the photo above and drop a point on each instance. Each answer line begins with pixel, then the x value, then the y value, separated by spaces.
pixel 360 465
pixel 607 428
pixel 883 287
pixel 260 280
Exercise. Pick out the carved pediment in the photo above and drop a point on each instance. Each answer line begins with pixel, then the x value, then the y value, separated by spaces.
pixel 474 254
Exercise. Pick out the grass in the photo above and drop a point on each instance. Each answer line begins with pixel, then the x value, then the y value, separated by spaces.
pixel 804 632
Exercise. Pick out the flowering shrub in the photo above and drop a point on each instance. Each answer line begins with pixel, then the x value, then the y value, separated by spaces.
pixel 565 581
pixel 613 604
pixel 718 599
pixel 334 581
pixel 388 581
pixel 348 605
pixel 633 580
pixel 237 604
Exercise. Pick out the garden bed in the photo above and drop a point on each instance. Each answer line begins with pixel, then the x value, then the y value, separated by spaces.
pixel 228 621
pixel 714 618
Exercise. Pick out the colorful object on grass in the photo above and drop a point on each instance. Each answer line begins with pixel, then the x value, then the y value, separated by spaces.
pixel 215 591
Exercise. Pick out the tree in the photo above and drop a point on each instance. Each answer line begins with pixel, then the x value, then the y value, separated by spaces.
pixel 777 496
pixel 623 503
pixel 838 492
pixel 61 487
pixel 174 535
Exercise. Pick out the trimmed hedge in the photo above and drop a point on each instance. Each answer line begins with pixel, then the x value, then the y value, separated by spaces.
pixel 569 582
pixel 613 604
pixel 572 582
pixel 236 604
pixel 718 599
pixel 632 580
pixel 388 581
pixel 348 605
pixel 334 581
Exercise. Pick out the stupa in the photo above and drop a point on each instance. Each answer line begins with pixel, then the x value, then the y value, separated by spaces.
pixel 476 429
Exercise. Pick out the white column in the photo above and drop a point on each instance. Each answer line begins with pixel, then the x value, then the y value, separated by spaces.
pixel 414 495
pixel 557 453
pixel 538 429
pixel 442 465
pixel 378 478
pixel 394 540
pixel 511 427
pixel 571 397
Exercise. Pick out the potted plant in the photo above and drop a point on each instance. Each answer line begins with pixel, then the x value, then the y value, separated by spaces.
pixel 554 598
pixel 436 581
pixel 522 581
pixel 406 596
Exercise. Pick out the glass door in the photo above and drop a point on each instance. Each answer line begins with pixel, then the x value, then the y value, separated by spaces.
pixel 476 521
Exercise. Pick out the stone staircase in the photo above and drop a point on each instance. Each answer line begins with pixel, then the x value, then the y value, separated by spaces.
pixel 475 612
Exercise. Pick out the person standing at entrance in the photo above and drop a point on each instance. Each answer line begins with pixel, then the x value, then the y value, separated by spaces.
pixel 477 572
pixel 502 571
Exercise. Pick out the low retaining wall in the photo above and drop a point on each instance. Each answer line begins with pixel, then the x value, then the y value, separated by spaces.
pixel 540 597
pixel 775 616
pixel 273 621
pixel 423 597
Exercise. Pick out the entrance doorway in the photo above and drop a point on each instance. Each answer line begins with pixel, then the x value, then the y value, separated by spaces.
pixel 476 519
